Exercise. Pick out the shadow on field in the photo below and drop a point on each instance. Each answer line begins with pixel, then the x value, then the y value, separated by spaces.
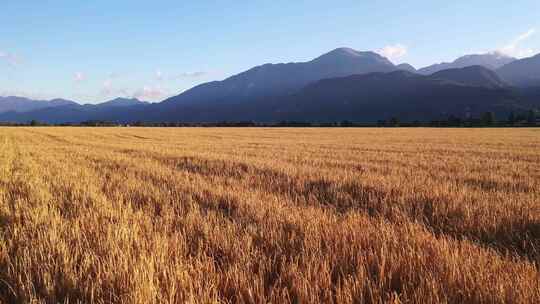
pixel 442 216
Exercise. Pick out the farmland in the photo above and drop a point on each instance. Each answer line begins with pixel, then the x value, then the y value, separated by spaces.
pixel 210 215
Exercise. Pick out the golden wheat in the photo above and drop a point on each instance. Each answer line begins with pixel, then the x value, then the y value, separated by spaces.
pixel 129 215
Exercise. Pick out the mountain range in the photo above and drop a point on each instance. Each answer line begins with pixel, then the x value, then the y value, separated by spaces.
pixel 282 79
pixel 22 105
pixel 341 84
pixel 402 94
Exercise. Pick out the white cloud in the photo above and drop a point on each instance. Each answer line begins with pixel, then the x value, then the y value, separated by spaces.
pixel 514 47
pixel 394 52
pixel 79 77
pixel 150 93
pixel 107 84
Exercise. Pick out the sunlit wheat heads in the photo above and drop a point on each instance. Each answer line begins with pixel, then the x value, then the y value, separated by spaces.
pixel 187 215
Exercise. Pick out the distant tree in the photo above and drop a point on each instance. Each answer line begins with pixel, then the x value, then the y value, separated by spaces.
pixel 512 118
pixel 454 121
pixel 346 124
pixel 394 121
pixel 488 118
pixel 34 123
pixel 531 117
pixel 521 117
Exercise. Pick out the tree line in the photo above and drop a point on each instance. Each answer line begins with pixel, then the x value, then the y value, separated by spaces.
pixel 530 118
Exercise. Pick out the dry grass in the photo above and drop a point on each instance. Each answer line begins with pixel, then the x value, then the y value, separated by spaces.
pixel 269 215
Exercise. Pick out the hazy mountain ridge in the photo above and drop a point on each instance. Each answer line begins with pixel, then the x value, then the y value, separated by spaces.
pixel 522 73
pixel 491 61
pixel 406 67
pixel 472 75
pixel 22 104
pixel 122 102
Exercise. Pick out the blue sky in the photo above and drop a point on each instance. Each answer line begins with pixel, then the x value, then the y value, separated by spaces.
pixel 91 51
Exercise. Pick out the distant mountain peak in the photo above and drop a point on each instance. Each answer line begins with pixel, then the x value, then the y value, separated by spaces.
pixel 406 67
pixel 61 101
pixel 345 53
pixel 493 61
pixel 122 102
pixel 403 73
pixel 284 79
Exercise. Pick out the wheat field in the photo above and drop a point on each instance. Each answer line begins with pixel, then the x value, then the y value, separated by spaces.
pixel 209 215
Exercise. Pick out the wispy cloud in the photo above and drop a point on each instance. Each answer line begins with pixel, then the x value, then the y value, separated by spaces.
pixel 114 75
pixel 109 89
pixel 10 58
pixel 394 52
pixel 160 76
pixel 192 74
pixel 513 48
